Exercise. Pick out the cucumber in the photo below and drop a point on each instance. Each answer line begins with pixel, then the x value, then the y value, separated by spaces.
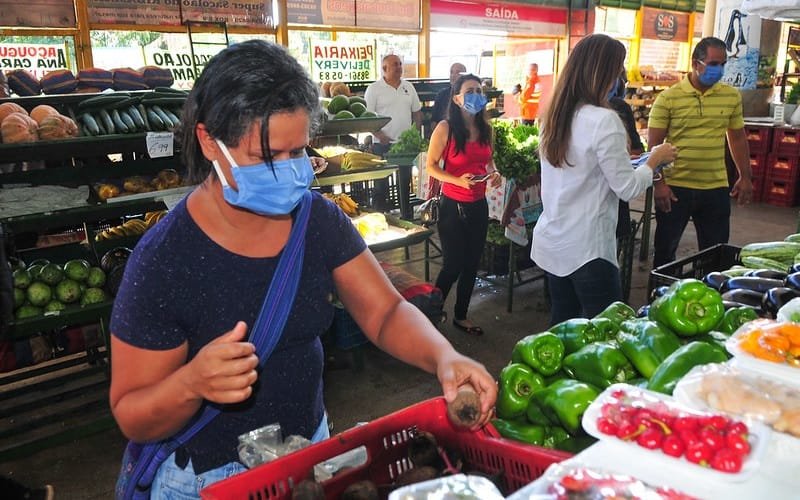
pixel 156 123
pixel 133 112
pixel 755 262
pixel 794 238
pixel 90 124
pixel 105 121
pixel 173 118
pixel 119 125
pixel 102 101
pixel 164 101
pixel 169 90
pixel 126 119
pixel 122 104
pixel 143 114
pixel 164 118
pixel 781 251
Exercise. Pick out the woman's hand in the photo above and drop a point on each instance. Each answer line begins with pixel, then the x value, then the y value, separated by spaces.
pixel 455 370
pixel 225 369
pixel 465 181
pixel 496 179
pixel 663 153
pixel 318 164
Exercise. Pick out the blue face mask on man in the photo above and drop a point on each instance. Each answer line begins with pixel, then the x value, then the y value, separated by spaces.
pixel 474 103
pixel 264 190
pixel 711 75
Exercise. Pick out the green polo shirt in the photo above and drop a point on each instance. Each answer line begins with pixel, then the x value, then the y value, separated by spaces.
pixel 696 123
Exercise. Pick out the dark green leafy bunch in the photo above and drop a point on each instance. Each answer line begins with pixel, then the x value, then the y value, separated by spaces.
pixel 410 141
pixel 516 150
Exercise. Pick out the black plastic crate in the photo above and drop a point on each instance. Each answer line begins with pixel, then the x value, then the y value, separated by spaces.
pixel 717 258
pixel 381 194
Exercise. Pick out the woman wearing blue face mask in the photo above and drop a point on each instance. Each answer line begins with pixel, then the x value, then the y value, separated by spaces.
pixel 459 153
pixel 196 282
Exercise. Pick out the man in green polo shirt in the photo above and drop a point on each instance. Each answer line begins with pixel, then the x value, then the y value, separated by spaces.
pixel 695 115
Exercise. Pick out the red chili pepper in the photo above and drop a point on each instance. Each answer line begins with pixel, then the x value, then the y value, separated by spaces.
pixel 643 416
pixel 628 431
pixel 606 426
pixel 713 439
pixel 738 428
pixel 698 452
pixel 619 394
pixel 727 460
pixel 718 422
pixel 688 437
pixel 685 423
pixel 738 443
pixel 650 439
pixel 673 446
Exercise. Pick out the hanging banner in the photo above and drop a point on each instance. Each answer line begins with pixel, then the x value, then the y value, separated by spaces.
pixel 334 61
pixel 179 62
pixel 391 14
pixel 741 33
pixel 507 18
pixel 38 13
pixel 249 13
pixel 36 58
pixel 665 25
pixel 329 13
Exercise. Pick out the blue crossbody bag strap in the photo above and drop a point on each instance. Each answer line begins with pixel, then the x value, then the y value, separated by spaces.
pixel 265 334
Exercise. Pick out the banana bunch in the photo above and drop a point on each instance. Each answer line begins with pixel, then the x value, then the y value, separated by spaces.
pixel 343 201
pixel 355 160
pixel 634 75
pixel 132 227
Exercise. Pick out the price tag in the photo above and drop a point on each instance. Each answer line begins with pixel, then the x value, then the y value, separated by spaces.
pixel 159 144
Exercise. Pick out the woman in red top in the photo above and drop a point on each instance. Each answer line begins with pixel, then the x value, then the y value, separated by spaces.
pixel 459 155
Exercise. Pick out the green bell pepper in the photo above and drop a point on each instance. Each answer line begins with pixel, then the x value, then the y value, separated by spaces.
pixel 554 436
pixel 520 431
pixel 688 308
pixel 680 362
pixel 716 340
pixel 516 386
pixel 536 416
pixel 646 344
pixel 607 328
pixel 599 364
pixel 734 318
pixel 565 401
pixel 543 352
pixel 576 333
pixel 559 375
pixel 617 312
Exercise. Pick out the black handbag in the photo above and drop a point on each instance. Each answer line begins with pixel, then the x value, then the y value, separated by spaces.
pixel 429 211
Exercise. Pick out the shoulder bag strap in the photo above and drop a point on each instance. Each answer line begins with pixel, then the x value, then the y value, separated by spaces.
pixel 266 333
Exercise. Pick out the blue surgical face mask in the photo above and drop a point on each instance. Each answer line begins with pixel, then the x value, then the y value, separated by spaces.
pixel 474 103
pixel 264 190
pixel 711 75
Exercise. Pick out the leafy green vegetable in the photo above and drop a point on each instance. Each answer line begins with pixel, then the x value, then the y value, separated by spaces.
pixel 516 150
pixel 409 141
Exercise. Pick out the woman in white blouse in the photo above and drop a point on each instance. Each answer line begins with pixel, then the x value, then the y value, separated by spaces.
pixel 586 170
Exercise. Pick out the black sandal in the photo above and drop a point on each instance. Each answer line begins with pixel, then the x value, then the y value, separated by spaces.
pixel 471 330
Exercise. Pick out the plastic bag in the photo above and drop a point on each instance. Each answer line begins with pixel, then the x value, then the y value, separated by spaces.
pixel 456 487
pixel 790 311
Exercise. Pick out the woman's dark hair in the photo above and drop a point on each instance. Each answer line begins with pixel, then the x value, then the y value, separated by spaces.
pixel 458 128
pixel 244 84
pixel 592 66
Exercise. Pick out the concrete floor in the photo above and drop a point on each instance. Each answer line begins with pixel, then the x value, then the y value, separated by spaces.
pixel 87 469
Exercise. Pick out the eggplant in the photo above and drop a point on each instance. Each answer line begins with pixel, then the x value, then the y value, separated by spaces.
pixel 775 298
pixel 715 280
pixel 794 269
pixel 793 281
pixel 658 292
pixel 744 297
pixel 759 285
pixel 643 311
pixel 767 273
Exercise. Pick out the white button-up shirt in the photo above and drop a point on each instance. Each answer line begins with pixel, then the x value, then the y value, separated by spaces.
pixel 397 103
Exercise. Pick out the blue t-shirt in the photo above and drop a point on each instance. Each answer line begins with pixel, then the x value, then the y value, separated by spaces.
pixel 180 286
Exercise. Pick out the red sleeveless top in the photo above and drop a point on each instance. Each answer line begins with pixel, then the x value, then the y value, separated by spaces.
pixel 472 160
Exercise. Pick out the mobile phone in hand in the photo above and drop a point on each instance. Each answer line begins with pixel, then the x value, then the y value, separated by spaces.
pixel 480 178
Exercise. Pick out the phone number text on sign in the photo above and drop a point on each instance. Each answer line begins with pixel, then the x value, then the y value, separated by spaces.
pixel 326 76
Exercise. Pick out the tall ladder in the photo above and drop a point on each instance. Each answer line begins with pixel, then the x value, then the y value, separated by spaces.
pixel 204 33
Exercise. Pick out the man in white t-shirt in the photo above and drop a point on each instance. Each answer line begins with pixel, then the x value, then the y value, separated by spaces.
pixel 394 97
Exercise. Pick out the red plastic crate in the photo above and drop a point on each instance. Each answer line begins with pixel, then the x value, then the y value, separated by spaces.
pixel 759 138
pixel 758 189
pixel 782 167
pixel 786 141
pixel 758 164
pixel 780 192
pixel 386 441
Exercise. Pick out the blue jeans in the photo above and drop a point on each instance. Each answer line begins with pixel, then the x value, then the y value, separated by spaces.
pixel 173 483
pixel 709 209
pixel 585 292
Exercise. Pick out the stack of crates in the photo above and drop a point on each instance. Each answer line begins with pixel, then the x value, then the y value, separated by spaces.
pixel 780 183
pixel 760 140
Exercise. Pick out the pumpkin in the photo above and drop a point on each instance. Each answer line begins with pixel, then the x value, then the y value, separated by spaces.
pixel 18 127
pixel 57 127
pixel 10 107
pixel 42 111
